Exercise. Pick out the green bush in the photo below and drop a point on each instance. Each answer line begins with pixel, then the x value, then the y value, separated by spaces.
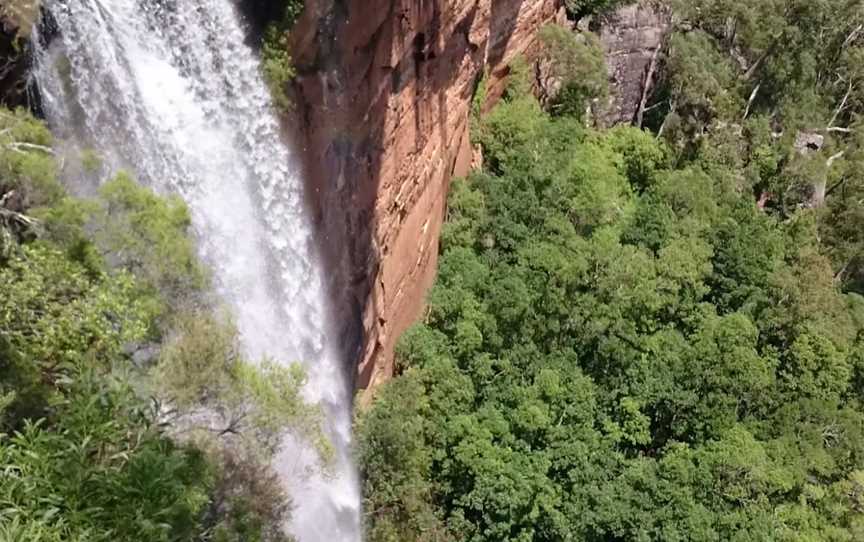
pixel 617 347
pixel 276 60
pixel 97 441
pixel 577 61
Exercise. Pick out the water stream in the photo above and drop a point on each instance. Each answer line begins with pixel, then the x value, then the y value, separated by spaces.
pixel 169 90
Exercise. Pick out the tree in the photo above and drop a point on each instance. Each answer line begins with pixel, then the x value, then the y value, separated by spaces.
pixel 126 409
pixel 576 63
pixel 621 344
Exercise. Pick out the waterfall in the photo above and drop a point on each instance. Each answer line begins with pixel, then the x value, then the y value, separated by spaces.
pixel 169 90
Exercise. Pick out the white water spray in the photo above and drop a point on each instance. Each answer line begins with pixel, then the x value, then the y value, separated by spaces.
pixel 169 90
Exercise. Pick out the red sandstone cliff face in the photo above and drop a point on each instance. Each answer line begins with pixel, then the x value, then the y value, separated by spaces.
pixel 384 95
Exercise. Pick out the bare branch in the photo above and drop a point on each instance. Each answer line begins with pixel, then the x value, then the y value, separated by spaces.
pixel 665 121
pixel 752 69
pixel 836 185
pixel 646 87
pixel 751 99
pixel 14 217
pixel 6 197
pixel 655 106
pixel 18 145
pixel 852 35
pixel 838 276
pixel 842 105
pixel 834 157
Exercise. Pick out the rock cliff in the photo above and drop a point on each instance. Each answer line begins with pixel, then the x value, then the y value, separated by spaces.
pixel 16 20
pixel 633 37
pixel 384 94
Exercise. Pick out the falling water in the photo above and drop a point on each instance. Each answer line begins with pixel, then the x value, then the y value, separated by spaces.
pixel 169 90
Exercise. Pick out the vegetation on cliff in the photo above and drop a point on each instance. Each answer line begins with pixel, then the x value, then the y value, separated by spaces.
pixel 579 8
pixel 276 61
pixel 126 409
pixel 648 335
pixel 575 65
pixel 772 92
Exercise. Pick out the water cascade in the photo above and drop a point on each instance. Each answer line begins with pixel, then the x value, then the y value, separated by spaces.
pixel 169 90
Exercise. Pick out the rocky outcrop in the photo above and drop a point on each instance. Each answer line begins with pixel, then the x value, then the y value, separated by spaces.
pixel 632 37
pixel 383 95
pixel 16 20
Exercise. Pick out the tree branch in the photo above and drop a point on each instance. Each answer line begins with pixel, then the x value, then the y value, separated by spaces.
pixel 752 69
pixel 15 217
pixel 665 120
pixel 751 99
pixel 842 106
pixel 836 185
pixel 646 87
pixel 18 145
pixel 852 35
pixel 655 106
pixel 834 157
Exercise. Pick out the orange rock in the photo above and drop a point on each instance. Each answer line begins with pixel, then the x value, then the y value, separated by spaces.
pixel 384 96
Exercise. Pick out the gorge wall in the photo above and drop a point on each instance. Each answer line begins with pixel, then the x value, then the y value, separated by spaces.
pixel 383 97
pixel 384 94
pixel 16 20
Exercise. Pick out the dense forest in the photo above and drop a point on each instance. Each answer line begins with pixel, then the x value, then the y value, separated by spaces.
pixel 127 411
pixel 651 332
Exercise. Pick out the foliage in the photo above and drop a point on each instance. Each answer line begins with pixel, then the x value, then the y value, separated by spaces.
pixel 54 319
pixel 26 166
pixel 202 374
pixel 577 61
pixel 97 430
pixel 278 66
pixel 742 81
pixel 128 229
pixel 581 8
pixel 139 232
pixel 102 471
pixel 90 161
pixel 620 345
pixel 276 61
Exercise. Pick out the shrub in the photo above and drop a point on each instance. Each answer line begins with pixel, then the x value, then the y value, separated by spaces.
pixel 276 60
pixel 577 61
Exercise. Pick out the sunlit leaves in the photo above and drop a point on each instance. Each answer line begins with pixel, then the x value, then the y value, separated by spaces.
pixel 618 348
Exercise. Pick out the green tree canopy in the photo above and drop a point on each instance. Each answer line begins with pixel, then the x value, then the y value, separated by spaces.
pixel 620 345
